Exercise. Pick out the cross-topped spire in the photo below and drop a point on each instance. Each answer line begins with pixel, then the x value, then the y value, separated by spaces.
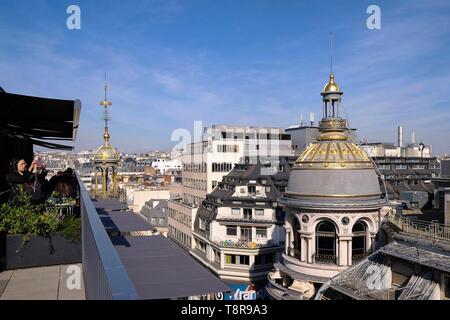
pixel 106 103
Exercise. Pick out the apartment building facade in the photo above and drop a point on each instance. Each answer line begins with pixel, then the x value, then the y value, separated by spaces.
pixel 207 161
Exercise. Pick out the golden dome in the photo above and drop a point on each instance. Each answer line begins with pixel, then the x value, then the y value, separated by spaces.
pixel 333 155
pixel 331 86
pixel 106 153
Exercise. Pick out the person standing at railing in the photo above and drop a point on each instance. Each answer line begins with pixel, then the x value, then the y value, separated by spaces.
pixel 30 180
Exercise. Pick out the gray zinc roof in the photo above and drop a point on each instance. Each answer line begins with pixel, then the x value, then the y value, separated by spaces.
pixel 159 269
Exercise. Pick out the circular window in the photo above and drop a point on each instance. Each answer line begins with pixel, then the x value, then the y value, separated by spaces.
pixel 305 219
pixel 345 221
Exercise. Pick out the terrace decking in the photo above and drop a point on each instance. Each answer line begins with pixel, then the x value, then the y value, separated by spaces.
pixel 42 283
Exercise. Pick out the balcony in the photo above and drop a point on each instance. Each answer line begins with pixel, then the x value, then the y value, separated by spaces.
pixel 244 244
pixel 328 259
pixel 246 218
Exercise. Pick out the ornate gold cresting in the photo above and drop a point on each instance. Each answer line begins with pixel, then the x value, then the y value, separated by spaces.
pixel 333 151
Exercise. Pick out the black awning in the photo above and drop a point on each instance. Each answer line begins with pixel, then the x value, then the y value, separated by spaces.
pixel 38 119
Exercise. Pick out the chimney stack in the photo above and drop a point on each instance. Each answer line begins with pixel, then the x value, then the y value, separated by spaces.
pixel 301 120
pixel 413 137
pixel 311 118
pixel 400 136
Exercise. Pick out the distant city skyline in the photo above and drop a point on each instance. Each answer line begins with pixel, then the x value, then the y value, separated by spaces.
pixel 258 63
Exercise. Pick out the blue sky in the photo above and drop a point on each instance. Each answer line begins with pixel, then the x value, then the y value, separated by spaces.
pixel 261 62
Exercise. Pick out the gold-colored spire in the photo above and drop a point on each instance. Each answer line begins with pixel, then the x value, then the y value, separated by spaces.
pixel 106 103
pixel 332 150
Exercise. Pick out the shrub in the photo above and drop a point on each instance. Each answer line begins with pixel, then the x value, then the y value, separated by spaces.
pixel 29 219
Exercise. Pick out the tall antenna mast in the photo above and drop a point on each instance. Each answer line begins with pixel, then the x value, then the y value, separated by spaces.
pixel 331 52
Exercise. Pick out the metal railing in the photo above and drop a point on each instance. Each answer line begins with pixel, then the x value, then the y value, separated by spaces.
pixel 246 218
pixel 105 277
pixel 325 259
pixel 422 228
pixel 243 244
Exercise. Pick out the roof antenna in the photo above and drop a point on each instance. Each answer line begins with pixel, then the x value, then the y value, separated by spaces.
pixel 331 52
pixel 106 88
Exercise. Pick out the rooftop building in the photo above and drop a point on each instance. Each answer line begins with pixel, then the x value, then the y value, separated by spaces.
pixel 334 206
pixel 206 162
pixel 238 231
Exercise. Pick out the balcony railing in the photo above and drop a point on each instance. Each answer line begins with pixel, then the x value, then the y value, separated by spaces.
pixel 246 218
pixel 105 277
pixel 325 259
pixel 421 228
pixel 243 244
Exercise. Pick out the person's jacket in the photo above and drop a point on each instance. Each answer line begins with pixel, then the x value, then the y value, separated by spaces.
pixel 29 183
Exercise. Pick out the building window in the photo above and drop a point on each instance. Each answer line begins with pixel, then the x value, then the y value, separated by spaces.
pixel 259 212
pixel 161 221
pixel 264 259
pixel 246 234
pixel 227 148
pixel 267 188
pixel 202 224
pixel 248 214
pixel 236 211
pixel 261 232
pixel 244 260
pixel 153 221
pixel 230 259
pixel 231 231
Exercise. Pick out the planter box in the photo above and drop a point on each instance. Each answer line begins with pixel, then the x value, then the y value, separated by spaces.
pixel 40 251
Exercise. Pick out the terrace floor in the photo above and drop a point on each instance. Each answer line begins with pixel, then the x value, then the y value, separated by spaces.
pixel 42 283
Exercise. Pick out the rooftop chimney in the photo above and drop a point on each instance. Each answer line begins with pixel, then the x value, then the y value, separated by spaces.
pixel 400 136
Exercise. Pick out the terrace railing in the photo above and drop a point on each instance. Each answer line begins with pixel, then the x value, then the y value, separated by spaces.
pixel 105 277
pixel 421 228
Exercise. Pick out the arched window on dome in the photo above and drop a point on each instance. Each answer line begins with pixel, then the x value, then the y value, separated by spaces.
pixel 359 241
pixel 325 243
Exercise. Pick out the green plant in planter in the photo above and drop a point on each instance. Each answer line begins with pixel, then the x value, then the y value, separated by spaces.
pixel 29 219
pixel 70 228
